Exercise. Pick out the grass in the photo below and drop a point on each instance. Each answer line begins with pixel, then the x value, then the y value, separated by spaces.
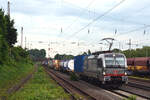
pixel 12 74
pixel 132 97
pixel 40 87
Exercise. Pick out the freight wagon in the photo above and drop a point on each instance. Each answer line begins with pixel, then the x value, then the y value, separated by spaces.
pixel 139 65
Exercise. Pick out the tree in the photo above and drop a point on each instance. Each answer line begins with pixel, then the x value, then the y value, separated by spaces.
pixel 139 52
pixel 84 53
pixel 36 54
pixel 3 43
pixel 89 52
pixel 43 53
pixel 11 36
pixel 57 56
pixel 63 57
pixel 116 50
pixel 18 53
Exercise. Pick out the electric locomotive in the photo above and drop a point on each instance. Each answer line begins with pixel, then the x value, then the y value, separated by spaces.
pixel 108 68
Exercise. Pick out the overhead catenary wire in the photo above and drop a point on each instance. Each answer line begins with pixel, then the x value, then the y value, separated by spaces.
pixel 115 18
pixel 133 21
pixel 137 29
pixel 70 25
pixel 97 18
pixel 130 31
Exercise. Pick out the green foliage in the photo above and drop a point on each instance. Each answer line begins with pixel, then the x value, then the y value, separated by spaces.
pixel 89 52
pixel 8 37
pixel 19 54
pixel 132 97
pixel 2 23
pixel 74 77
pixel 63 57
pixel 36 54
pixel 40 87
pixel 84 53
pixel 116 50
pixel 139 52
pixel 14 61
pixel 12 73
pixel 11 36
pixel 3 42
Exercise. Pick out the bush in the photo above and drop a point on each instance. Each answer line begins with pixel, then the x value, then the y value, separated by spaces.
pixel 73 77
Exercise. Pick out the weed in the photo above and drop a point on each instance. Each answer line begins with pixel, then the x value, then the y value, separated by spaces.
pixel 132 97
pixel 40 87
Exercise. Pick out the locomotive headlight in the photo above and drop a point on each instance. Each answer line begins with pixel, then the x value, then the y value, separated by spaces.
pixel 114 55
pixel 104 73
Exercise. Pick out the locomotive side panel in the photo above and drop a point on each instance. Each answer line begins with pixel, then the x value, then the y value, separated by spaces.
pixel 90 68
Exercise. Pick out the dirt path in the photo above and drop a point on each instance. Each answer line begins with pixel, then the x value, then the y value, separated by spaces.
pixel 24 80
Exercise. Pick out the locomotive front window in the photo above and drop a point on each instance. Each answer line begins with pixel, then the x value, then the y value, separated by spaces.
pixel 120 61
pixel 109 61
pixel 115 61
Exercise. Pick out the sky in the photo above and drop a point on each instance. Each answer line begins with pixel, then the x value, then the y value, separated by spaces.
pixel 76 26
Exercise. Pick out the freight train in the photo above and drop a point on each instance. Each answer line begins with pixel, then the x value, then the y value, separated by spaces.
pixel 139 65
pixel 105 67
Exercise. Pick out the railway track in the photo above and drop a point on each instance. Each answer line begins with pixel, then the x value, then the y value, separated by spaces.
pixel 140 80
pixel 88 91
pixel 141 84
pixel 73 91
pixel 136 91
pixel 127 94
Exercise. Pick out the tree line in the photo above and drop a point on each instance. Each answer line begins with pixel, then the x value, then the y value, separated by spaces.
pixel 36 54
pixel 63 57
pixel 139 52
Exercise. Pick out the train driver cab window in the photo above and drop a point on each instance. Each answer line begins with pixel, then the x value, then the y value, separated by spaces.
pixel 100 63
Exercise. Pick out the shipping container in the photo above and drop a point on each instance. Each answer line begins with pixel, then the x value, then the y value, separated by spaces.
pixel 78 63
pixel 56 65
pixel 65 67
pixel 61 63
pixel 71 65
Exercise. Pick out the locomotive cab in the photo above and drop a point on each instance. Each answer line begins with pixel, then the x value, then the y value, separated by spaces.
pixel 112 67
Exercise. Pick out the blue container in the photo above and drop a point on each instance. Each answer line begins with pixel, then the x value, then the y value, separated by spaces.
pixel 78 63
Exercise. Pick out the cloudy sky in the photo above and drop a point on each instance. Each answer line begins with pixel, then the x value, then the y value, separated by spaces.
pixel 74 26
